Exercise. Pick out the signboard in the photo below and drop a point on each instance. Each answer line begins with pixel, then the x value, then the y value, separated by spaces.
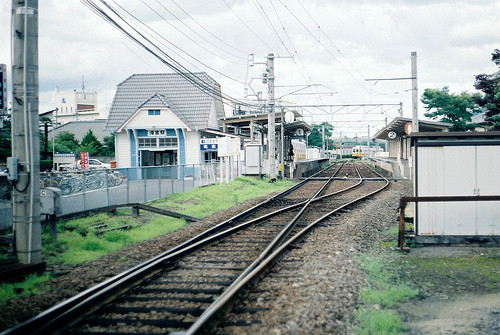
pixel 228 146
pixel 3 89
pixel 408 128
pixel 64 158
pixel 208 144
pixel 392 135
pixel 84 160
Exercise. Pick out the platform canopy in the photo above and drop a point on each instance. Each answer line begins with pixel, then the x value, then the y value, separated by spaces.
pixel 401 127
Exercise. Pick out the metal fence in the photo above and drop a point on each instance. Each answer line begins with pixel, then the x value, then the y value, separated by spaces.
pixel 85 190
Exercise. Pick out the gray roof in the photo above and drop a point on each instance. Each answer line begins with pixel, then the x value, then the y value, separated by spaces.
pixel 81 128
pixel 172 90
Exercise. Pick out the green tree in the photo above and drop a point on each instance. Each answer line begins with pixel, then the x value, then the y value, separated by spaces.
pixel 109 145
pixel 90 144
pixel 65 142
pixel 315 137
pixel 449 107
pixel 490 86
pixel 5 140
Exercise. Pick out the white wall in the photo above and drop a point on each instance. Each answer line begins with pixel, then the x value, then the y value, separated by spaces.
pixel 166 119
pixel 122 152
pixel 462 171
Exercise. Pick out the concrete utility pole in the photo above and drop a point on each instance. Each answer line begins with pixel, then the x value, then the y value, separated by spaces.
pixel 271 119
pixel 414 92
pixel 25 136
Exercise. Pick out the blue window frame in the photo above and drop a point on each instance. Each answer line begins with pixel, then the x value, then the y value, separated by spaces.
pixel 153 112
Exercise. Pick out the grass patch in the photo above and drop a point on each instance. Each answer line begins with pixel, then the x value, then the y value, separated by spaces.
pixel 476 273
pixel 204 201
pixel 31 285
pixel 78 242
pixel 378 322
pixel 383 290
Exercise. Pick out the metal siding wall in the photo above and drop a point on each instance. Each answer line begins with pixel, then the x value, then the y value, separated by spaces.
pixel 488 183
pixel 459 179
pixel 458 170
pixel 430 182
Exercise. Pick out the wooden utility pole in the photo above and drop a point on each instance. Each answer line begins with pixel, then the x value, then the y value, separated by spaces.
pixel 24 167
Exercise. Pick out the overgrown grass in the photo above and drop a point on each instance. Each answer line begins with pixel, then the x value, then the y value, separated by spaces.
pixel 204 201
pixel 383 290
pixel 32 284
pixel 78 242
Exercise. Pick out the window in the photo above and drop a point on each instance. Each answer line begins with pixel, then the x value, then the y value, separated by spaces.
pixel 145 142
pixel 153 112
pixel 167 142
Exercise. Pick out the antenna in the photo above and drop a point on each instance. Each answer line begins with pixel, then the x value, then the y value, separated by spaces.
pixel 83 83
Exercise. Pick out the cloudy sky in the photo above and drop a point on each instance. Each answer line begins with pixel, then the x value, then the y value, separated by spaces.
pixel 325 50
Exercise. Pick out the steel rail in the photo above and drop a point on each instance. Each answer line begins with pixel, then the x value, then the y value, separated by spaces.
pixel 76 307
pixel 224 300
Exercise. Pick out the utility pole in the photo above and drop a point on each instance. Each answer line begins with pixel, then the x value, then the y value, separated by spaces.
pixel 271 119
pixel 414 92
pixel 24 166
pixel 368 142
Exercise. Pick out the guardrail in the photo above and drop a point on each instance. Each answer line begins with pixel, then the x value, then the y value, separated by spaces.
pixel 457 198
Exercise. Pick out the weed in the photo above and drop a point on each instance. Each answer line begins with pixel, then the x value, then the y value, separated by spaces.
pixel 373 321
pixel 384 289
pixel 32 284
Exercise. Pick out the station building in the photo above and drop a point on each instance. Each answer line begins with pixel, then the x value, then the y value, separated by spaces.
pixel 161 118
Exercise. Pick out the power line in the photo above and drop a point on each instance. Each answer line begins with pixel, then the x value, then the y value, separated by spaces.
pixel 175 46
pixel 320 43
pixel 206 30
pixel 141 40
pixel 188 27
pixel 247 26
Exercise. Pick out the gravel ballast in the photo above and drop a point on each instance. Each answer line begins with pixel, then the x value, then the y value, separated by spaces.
pixel 322 280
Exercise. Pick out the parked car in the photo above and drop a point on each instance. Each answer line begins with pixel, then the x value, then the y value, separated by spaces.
pixel 94 164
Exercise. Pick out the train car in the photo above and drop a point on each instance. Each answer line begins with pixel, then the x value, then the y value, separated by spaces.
pixel 359 151
pixel 299 150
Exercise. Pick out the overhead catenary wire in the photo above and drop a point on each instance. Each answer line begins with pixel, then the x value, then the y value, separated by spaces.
pixel 157 52
pixel 173 45
pixel 207 31
pixel 187 36
pixel 324 47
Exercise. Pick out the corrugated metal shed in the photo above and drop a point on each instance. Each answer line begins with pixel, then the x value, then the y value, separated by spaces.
pixel 185 99
pixel 457 164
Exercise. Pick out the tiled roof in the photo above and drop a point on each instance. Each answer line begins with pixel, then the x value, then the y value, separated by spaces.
pixel 192 105
pixel 81 128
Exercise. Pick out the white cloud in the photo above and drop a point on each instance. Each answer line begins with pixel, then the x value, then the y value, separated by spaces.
pixel 355 40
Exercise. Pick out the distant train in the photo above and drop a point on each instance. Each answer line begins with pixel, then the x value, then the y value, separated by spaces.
pixel 299 150
pixel 359 151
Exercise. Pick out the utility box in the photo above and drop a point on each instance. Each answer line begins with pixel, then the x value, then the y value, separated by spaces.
pixel 50 201
pixel 253 159
pixel 457 164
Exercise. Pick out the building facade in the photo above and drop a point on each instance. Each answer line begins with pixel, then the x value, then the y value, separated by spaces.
pixel 161 119
pixel 75 106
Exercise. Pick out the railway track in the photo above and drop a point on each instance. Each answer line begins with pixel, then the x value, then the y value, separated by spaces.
pixel 185 289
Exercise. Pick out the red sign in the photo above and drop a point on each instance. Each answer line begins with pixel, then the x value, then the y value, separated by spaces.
pixel 84 160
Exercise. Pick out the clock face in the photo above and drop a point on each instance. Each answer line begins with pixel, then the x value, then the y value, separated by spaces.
pixel 392 135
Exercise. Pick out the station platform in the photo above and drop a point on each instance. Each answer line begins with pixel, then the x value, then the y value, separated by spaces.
pixel 307 167
pixel 390 167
